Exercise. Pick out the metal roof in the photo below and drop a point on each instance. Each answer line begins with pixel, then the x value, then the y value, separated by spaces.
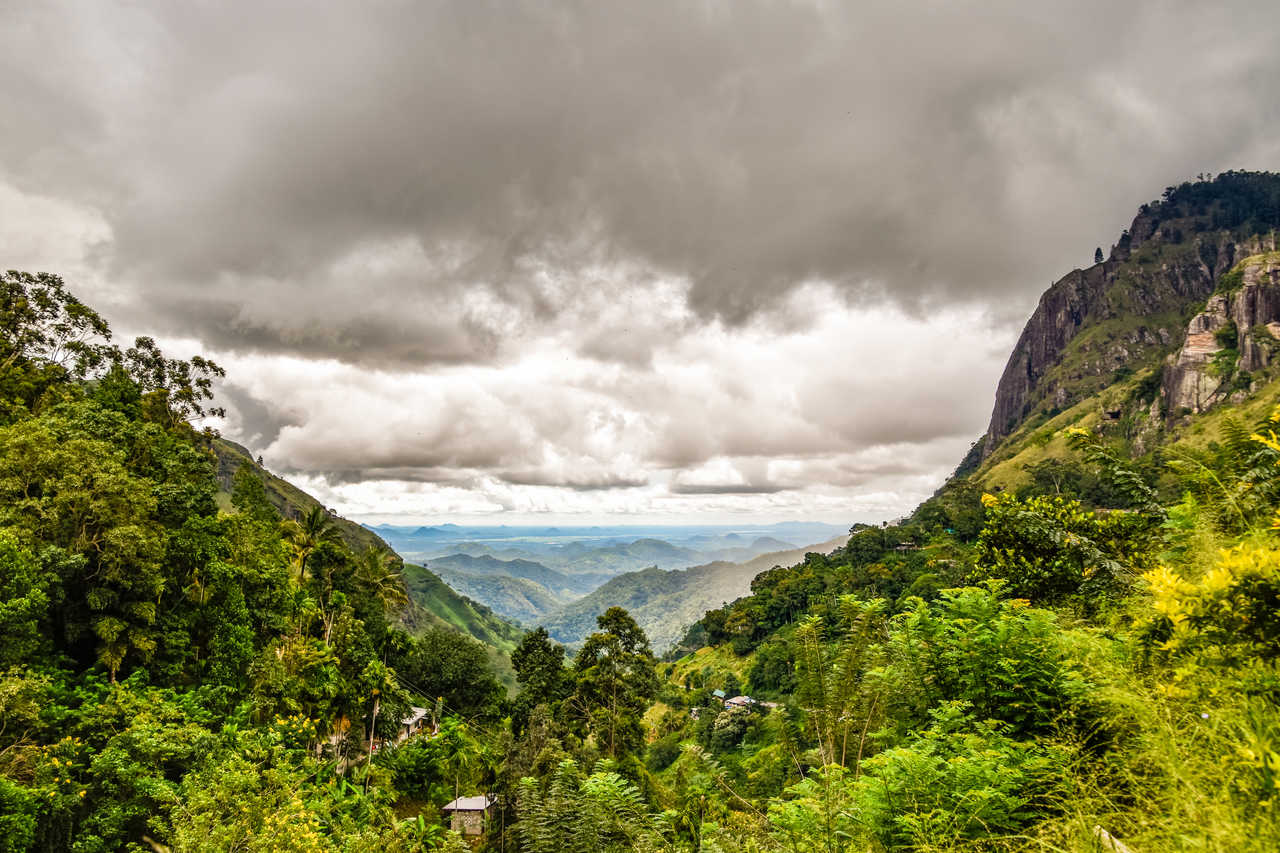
pixel 470 804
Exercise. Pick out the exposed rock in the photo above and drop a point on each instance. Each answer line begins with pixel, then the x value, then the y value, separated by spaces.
pixel 1122 286
pixel 1189 382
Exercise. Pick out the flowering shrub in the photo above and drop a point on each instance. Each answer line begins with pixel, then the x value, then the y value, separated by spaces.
pixel 1230 616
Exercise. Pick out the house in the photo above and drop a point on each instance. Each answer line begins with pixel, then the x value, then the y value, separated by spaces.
pixel 468 815
pixel 718 694
pixel 412 724
pixel 739 702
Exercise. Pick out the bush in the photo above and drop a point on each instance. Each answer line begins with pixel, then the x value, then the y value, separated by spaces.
pixel 1229 618
pixel 999 656
pixel 962 779
pixel 1050 548
pixel 663 752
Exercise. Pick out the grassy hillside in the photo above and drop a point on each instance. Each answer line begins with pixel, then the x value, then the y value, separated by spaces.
pixel 288 499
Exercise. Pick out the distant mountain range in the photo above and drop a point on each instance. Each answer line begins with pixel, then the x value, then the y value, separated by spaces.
pixel 563 577
pixel 664 603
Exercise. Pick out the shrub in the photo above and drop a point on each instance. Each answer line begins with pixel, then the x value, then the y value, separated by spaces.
pixel 962 779
pixel 999 656
pixel 1230 617
pixel 1050 548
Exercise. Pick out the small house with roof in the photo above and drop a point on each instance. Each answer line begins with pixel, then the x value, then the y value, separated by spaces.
pixel 468 815
pixel 412 724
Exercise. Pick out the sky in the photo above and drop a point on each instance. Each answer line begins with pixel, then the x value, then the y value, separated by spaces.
pixel 525 262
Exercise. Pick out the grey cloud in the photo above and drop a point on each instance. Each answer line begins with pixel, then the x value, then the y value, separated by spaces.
pixel 725 489
pixel 576 482
pixel 921 152
pixel 257 422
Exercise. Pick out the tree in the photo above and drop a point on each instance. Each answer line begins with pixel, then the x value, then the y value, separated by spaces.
pixel 378 575
pixel 250 497
pixel 540 669
pixel 307 535
pixel 448 665
pixel 602 813
pixel 43 325
pixel 1097 255
pixel 615 682
pixel 180 387
pixel 1050 548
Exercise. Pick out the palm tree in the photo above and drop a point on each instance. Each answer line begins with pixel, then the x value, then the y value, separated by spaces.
pixel 305 536
pixel 379 572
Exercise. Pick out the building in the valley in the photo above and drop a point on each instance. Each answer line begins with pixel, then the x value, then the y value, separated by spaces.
pixel 469 815
pixel 412 724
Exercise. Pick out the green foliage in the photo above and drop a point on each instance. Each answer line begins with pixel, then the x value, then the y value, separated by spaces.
pixel 544 680
pixel 614 684
pixel 1048 549
pixel 597 814
pixel 975 646
pixel 1229 617
pixel 201 680
pixel 833 678
pixel 962 779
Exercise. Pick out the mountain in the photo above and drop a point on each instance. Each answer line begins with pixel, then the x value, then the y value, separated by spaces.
pixel 557 583
pixel 434 604
pixel 1174 321
pixel 665 603
pixel 519 600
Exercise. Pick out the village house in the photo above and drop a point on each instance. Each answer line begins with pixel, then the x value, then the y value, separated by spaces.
pixel 412 724
pixel 468 815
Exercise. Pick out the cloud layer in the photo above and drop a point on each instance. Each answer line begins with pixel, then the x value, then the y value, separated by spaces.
pixel 543 254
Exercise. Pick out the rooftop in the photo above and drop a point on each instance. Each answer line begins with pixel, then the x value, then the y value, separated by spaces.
pixel 480 802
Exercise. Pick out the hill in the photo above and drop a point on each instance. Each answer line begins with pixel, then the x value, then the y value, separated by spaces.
pixel 432 602
pixel 665 603
pixel 520 600
pixel 288 499
pixel 556 583
pixel 1112 335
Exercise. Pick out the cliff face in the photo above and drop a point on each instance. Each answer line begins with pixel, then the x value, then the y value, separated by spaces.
pixel 1235 335
pixel 1127 313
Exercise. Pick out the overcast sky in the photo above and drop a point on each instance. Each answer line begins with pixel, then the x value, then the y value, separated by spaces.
pixel 595 261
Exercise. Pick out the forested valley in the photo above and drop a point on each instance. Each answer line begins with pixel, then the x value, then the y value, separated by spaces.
pixel 1073 641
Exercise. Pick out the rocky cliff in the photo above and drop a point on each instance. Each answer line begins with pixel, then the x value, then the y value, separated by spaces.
pixel 1234 336
pixel 1130 312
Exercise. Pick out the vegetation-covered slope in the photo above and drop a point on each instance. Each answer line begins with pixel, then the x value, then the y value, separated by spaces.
pixel 203 677
pixel 665 603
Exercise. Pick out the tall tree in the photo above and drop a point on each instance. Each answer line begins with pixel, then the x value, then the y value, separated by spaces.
pixel 306 535
pixel 615 682
pixel 544 680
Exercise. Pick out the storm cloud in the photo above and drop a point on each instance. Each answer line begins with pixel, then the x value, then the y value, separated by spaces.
pixel 514 247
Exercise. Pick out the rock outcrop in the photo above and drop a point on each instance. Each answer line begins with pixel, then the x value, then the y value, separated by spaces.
pixel 1157 271
pixel 1236 334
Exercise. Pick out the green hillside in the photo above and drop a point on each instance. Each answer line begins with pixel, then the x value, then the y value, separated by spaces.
pixel 433 603
pixel 288 499
pixel 666 603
